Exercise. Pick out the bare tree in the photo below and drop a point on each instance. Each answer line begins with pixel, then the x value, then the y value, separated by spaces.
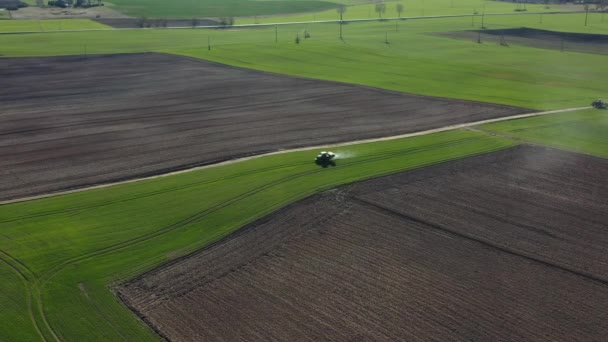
pixel 380 9
pixel 341 10
pixel 141 22
pixel 399 9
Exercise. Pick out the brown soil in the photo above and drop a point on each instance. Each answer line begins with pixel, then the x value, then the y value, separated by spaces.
pixel 509 246
pixel 69 122
pixel 578 42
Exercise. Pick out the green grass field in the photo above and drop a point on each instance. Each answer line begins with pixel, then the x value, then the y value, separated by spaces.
pixel 584 131
pixel 215 8
pixel 59 256
pixel 49 25
pixel 306 10
pixel 411 8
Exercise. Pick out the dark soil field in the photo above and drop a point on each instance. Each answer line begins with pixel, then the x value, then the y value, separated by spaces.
pixel 509 246
pixel 566 41
pixel 69 122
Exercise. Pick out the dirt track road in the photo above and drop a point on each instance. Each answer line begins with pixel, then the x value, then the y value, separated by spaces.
pixel 73 122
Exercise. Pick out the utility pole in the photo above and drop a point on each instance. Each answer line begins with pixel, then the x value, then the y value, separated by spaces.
pixel 208 43
pixel 483 15
pixel 276 34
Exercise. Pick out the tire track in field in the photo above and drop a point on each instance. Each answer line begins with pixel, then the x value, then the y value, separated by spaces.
pixel 47 276
pixel 150 194
pixel 27 277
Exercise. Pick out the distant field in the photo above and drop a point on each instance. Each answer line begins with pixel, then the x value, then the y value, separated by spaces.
pixel 555 40
pixel 413 61
pixel 584 131
pixel 49 25
pixel 216 8
pixel 306 10
pixel 412 8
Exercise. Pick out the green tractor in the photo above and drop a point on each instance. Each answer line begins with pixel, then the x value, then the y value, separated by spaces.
pixel 325 159
pixel 599 104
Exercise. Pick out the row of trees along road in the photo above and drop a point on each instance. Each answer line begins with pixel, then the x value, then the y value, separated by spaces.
pixel 380 9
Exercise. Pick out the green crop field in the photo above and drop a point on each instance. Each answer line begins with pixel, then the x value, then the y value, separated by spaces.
pixel 214 8
pixel 265 11
pixel 49 25
pixel 583 131
pixel 59 256
pixel 411 8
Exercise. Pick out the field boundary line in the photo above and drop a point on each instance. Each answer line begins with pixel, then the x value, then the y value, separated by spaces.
pixel 299 149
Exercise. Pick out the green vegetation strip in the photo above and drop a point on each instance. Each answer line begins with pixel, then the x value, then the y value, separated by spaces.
pixel 584 131
pixel 216 8
pixel 49 25
pixel 299 10
pixel 77 244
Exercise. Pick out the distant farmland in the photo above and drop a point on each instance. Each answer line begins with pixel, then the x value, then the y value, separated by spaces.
pixel 510 245
pixel 90 120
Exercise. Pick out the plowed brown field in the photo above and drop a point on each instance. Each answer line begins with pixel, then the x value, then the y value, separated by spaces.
pixel 543 39
pixel 69 122
pixel 511 246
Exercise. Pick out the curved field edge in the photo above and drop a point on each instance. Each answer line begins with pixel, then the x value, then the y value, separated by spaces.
pixel 78 244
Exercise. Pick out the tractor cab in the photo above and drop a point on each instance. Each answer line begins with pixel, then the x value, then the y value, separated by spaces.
pixel 325 158
pixel 600 104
